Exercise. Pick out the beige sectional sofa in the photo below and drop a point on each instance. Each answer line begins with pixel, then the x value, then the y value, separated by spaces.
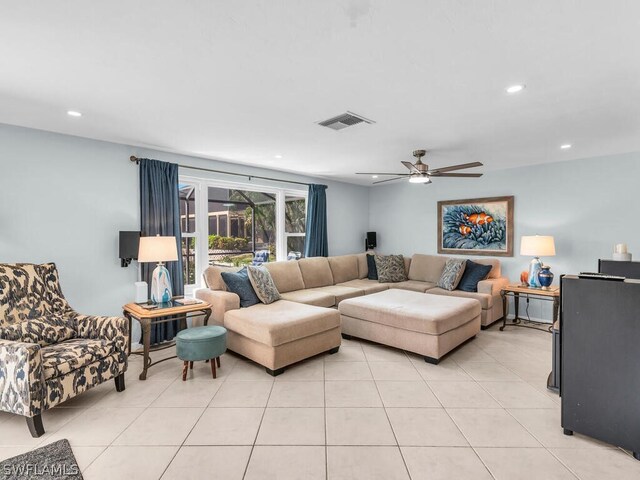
pixel 305 323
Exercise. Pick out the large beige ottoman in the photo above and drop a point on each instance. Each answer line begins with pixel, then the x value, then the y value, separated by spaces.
pixel 282 333
pixel 430 325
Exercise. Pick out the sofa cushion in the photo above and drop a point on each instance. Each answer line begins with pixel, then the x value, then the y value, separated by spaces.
pixel 286 275
pixel 473 273
pixel 281 322
pixel 310 296
pixel 486 301
pixel 213 276
pixel 344 268
pixel 362 265
pixel 495 271
pixel 417 312
pixel 426 268
pixel 452 273
pixel 368 286
pixel 263 284
pixel 44 331
pixel 340 292
pixel 240 284
pixel 315 272
pixel 391 268
pixel 413 285
pixel 65 357
pixel 372 271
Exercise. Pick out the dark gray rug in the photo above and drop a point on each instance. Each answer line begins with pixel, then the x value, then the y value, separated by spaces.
pixel 51 462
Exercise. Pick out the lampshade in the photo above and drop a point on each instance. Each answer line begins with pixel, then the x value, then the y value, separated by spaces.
pixel 537 246
pixel 158 249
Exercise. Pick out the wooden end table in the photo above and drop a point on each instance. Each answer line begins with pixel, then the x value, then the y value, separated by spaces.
pixel 550 295
pixel 166 312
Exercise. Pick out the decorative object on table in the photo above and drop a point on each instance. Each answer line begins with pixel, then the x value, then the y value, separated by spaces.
pixel 536 246
pixel 478 226
pixel 51 462
pixel 142 292
pixel 159 249
pixel 263 285
pixel 201 343
pixel 545 277
pixel 49 353
pixel 390 268
pixel 128 247
pixel 524 278
pixel 452 273
pixel 473 273
pixel 620 253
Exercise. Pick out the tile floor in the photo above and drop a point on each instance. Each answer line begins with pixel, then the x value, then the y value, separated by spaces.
pixel 368 412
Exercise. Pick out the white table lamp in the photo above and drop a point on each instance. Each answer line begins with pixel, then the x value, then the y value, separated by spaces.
pixel 536 246
pixel 159 249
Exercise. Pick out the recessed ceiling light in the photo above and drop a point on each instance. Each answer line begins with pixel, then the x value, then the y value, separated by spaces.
pixel 277 156
pixel 515 88
pixel 374 176
pixel 73 113
pixel 566 146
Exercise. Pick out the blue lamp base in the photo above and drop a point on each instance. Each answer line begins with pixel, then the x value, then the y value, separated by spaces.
pixel 160 284
pixel 534 269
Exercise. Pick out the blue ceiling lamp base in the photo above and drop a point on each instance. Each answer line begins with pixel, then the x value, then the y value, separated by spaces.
pixel 160 284
pixel 534 268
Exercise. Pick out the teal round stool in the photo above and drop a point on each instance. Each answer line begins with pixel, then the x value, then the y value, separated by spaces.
pixel 201 343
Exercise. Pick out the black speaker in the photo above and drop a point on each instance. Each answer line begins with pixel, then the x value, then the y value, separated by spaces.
pixel 129 244
pixel 371 242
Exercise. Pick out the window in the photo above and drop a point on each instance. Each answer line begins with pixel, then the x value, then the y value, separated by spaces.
pixel 227 224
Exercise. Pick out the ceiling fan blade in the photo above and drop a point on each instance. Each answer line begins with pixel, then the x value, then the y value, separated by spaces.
pixel 412 168
pixel 455 167
pixel 387 180
pixel 455 175
pixel 377 173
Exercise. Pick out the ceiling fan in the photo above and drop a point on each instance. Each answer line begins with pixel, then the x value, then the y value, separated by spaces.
pixel 420 173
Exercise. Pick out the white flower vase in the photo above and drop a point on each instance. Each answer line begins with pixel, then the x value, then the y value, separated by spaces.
pixel 160 285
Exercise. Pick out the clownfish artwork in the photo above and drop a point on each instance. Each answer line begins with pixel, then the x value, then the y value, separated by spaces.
pixel 465 229
pixel 478 218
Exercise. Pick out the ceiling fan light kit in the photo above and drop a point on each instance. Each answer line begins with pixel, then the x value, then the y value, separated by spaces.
pixel 419 172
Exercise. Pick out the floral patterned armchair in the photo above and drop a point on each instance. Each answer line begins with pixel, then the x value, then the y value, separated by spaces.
pixel 48 352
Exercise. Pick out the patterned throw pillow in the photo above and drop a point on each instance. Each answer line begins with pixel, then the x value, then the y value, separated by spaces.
pixel 240 284
pixel 263 284
pixel 45 331
pixel 452 273
pixel 390 268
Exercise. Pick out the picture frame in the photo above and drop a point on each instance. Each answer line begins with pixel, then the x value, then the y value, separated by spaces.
pixel 476 226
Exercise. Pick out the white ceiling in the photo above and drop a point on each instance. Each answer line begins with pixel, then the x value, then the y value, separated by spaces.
pixel 244 81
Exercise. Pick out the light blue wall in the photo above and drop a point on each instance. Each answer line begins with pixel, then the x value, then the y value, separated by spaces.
pixel 587 205
pixel 64 199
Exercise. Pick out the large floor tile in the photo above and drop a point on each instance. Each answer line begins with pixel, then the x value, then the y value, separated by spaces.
pixel 297 394
pixel 242 394
pixel 160 426
pixel 444 463
pixel 491 428
pixel 14 430
pixel 518 395
pixel 447 370
pixel 381 353
pixel 90 397
pixel 145 463
pixel 248 371
pixel 406 394
pixel 425 427
pixel 404 371
pixel 292 426
pixel 137 394
pixel 490 372
pixel 86 455
pixel 366 463
pixel 347 371
pixel 8 452
pixel 212 463
pixel 287 463
pixel 226 426
pixel 311 370
pixel 470 353
pixel 358 426
pixel 97 426
pixel 357 393
pixel 599 464
pixel 523 464
pixel 347 354
pixel 462 395
pixel 188 394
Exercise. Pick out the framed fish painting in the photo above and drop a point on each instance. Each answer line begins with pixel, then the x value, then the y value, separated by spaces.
pixel 477 226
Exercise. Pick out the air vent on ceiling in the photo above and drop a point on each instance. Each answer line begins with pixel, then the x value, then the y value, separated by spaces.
pixel 344 120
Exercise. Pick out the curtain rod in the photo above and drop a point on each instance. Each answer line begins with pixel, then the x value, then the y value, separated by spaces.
pixel 137 160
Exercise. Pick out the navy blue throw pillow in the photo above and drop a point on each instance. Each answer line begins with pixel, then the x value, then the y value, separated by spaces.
pixel 239 284
pixel 371 265
pixel 473 273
